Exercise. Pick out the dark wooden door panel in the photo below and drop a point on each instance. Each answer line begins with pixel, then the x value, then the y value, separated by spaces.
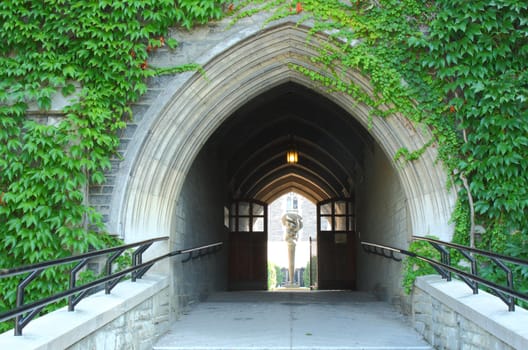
pixel 248 241
pixel 336 245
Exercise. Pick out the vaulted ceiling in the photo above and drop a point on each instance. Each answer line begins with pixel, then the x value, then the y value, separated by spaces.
pixel 253 143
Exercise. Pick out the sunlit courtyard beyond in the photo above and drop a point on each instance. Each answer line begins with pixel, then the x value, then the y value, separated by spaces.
pixel 277 244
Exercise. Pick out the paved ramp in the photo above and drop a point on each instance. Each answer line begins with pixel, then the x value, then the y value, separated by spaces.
pixel 329 320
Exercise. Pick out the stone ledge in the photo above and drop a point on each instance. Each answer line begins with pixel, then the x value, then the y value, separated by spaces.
pixel 60 329
pixel 484 309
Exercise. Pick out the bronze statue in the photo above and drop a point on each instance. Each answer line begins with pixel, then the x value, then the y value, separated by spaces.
pixel 292 223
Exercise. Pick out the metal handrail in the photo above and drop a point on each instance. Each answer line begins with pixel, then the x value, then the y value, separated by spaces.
pixel 469 253
pixel 380 250
pixel 473 250
pixel 24 313
pixel 444 268
pixel 28 268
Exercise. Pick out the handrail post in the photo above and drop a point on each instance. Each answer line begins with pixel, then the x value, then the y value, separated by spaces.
pixel 509 300
pixel 445 258
pixel 472 284
pixel 109 261
pixel 22 321
pixel 73 281
pixel 188 257
pixel 137 259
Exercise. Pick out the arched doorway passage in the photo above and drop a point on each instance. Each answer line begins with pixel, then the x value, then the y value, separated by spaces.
pixel 223 138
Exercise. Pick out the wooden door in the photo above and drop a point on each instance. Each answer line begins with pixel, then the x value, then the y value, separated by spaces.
pixel 336 244
pixel 248 239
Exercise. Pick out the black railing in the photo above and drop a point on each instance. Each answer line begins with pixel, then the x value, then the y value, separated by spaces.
pixel 507 293
pixel 24 313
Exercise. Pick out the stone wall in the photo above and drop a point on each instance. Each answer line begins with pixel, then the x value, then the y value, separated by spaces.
pixel 383 219
pixel 199 220
pixel 131 317
pixel 449 316
pixel 137 328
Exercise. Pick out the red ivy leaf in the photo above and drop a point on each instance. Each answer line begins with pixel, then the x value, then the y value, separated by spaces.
pixel 299 7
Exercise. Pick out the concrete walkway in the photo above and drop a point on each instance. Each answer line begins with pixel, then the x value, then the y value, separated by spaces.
pixel 330 320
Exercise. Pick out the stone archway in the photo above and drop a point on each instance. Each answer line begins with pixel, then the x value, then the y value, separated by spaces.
pixel 192 107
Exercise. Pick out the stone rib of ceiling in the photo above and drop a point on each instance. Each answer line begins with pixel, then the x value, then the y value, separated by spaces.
pixel 253 144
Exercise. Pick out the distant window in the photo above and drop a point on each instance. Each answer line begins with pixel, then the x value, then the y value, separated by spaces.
pixel 292 202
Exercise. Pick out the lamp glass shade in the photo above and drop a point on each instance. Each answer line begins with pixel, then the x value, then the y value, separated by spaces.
pixel 292 157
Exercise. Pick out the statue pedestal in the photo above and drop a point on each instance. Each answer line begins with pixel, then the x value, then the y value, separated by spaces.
pixel 291 286
pixel 291 262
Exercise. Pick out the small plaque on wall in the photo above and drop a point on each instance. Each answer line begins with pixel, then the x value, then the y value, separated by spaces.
pixel 340 238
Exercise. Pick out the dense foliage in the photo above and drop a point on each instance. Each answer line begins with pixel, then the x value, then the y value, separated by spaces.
pixel 478 53
pixel 275 276
pixel 95 54
pixel 458 67
pixel 465 63
pixel 415 267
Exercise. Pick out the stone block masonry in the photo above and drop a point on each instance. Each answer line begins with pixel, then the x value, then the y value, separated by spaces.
pixel 133 316
pixel 449 316
pixel 138 328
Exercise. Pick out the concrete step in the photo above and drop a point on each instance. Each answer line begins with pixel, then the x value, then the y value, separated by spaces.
pixel 326 320
pixel 265 347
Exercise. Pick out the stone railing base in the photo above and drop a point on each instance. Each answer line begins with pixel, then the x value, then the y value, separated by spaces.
pixel 133 313
pixel 450 316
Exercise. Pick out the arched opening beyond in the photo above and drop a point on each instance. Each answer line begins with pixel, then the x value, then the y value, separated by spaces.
pixel 192 131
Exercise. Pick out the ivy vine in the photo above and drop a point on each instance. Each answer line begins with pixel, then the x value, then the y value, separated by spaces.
pixel 458 67
pixel 94 53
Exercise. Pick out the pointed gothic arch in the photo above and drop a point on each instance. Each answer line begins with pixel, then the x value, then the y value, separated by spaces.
pixel 193 107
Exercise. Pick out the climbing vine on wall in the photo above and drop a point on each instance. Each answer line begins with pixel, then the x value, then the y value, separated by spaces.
pixel 94 54
pixel 477 53
pixel 465 65
pixel 460 68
